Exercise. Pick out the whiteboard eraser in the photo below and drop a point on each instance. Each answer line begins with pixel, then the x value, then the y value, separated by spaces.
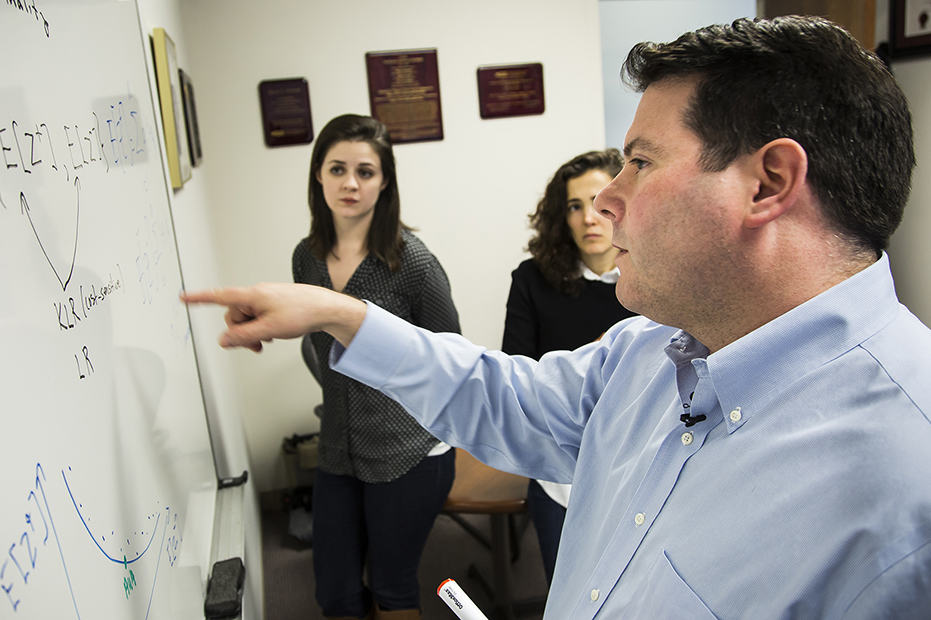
pixel 224 589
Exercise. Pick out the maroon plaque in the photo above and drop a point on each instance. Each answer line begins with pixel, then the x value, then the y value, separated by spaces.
pixel 510 90
pixel 404 93
pixel 286 112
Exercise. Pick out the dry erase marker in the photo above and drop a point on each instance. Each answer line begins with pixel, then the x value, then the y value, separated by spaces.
pixel 459 601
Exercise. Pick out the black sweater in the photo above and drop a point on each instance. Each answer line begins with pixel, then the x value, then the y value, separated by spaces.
pixel 541 319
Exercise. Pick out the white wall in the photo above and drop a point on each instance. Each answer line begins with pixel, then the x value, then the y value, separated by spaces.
pixel 627 22
pixel 910 252
pixel 468 194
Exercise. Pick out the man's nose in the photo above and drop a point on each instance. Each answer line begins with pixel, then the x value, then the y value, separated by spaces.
pixel 608 202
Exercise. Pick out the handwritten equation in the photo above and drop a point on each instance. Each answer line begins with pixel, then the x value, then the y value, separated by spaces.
pixel 46 172
pixel 114 138
pixel 22 554
pixel 30 551
pixel 109 138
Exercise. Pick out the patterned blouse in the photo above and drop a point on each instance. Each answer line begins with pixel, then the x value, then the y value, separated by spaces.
pixel 364 433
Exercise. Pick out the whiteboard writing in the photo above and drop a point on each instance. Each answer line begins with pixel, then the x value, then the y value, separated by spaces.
pixel 29 8
pixel 112 139
pixel 25 557
pixel 71 313
pixel 64 270
pixel 34 147
pixel 111 134
pixel 152 235
pixel 29 551
pixel 118 556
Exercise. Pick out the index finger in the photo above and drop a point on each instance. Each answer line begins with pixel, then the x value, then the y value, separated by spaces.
pixel 220 296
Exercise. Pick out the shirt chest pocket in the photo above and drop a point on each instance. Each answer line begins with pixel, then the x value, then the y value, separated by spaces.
pixel 666 595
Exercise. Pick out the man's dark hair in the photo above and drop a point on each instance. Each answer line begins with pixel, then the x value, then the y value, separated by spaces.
pixel 803 78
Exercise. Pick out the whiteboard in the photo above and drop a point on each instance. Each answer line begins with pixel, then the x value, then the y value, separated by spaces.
pixel 107 476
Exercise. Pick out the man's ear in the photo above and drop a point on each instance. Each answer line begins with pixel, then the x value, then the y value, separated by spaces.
pixel 781 167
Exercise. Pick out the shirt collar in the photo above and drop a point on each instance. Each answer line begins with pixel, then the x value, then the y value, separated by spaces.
pixel 748 372
pixel 609 277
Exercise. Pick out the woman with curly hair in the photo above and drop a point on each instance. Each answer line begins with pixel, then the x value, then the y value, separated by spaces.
pixel 563 297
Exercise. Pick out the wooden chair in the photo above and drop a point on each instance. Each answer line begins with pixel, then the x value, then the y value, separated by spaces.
pixel 480 489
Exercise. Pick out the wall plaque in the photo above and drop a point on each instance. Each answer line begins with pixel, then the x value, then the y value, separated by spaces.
pixel 286 112
pixel 404 94
pixel 510 90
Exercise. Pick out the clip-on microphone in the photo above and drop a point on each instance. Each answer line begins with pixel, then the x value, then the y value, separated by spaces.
pixel 691 420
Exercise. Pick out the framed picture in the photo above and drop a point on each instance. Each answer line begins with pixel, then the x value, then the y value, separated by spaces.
pixel 909 27
pixel 286 112
pixel 404 94
pixel 190 117
pixel 169 97
pixel 510 90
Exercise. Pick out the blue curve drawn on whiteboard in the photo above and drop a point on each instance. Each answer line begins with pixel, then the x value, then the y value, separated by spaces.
pixel 94 538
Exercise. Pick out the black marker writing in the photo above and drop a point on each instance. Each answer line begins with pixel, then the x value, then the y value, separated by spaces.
pixel 29 8
pixel 24 208
pixel 88 367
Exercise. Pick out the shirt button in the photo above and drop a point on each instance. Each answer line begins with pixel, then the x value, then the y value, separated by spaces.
pixel 735 415
pixel 595 594
pixel 686 439
pixel 639 518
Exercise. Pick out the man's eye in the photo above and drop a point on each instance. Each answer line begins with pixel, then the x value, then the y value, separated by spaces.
pixel 637 162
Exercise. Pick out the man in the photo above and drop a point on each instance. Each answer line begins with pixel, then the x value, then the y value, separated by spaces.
pixel 758 446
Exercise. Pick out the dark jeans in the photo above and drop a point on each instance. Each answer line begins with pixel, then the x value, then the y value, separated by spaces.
pixel 382 527
pixel 547 517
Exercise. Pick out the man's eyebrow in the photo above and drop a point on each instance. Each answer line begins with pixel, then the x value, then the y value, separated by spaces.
pixel 642 144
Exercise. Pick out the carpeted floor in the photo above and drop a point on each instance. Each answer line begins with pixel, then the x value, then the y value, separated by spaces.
pixel 289 578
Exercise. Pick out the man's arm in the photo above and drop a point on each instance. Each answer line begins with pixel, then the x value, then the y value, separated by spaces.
pixel 263 312
pixel 499 408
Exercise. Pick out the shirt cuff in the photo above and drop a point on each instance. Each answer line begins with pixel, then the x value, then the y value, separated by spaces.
pixel 376 350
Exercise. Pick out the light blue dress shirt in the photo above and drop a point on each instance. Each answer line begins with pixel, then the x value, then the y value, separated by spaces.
pixel 804 493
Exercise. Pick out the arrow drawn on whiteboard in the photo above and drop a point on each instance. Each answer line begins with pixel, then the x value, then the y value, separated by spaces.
pixel 24 207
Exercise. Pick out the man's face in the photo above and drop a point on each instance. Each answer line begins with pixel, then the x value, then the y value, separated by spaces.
pixel 677 226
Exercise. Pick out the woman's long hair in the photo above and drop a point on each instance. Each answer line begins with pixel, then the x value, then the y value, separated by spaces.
pixel 552 247
pixel 384 236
